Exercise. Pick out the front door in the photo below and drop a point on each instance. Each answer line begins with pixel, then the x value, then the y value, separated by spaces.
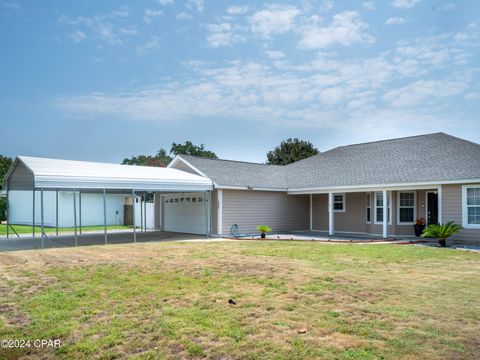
pixel 432 208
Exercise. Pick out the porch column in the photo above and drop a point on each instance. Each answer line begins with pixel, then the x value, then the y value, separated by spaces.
pixel 8 215
pixel 330 214
pixel 311 212
pixel 220 212
pixel 440 205
pixel 42 219
pixel 385 214
pixel 33 213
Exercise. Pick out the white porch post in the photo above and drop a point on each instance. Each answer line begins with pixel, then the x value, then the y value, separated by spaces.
pixel 440 205
pixel 385 214
pixel 219 212
pixel 311 212
pixel 331 214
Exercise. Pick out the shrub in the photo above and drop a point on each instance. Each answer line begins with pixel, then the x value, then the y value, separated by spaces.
pixel 441 232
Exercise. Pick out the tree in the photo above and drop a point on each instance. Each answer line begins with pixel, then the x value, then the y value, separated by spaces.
pixel 5 163
pixel 291 150
pixel 190 149
pixel 162 159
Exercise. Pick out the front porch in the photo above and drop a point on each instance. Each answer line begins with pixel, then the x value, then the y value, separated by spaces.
pixel 363 214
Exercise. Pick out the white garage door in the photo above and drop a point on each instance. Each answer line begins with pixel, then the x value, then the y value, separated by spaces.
pixel 185 213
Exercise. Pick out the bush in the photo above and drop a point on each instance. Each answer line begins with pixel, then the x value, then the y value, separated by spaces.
pixel 441 232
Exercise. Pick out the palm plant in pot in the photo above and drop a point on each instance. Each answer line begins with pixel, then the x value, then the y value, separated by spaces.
pixel 442 232
pixel 263 229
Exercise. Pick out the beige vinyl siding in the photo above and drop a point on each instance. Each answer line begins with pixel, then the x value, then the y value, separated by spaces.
pixel 320 212
pixel 248 208
pixel 452 211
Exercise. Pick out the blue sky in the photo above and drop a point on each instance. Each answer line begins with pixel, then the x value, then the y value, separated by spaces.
pixel 103 80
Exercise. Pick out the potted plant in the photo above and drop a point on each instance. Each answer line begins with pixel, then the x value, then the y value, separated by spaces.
pixel 419 226
pixel 263 229
pixel 442 232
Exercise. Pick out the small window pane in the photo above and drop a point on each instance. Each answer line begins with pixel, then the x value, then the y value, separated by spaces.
pixel 379 198
pixel 379 214
pixel 474 215
pixel 368 200
pixel 368 214
pixel 406 214
pixel 407 199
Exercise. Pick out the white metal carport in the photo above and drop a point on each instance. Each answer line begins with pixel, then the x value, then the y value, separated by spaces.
pixel 41 174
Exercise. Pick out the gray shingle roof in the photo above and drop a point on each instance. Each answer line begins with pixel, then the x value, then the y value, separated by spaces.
pixel 239 173
pixel 423 158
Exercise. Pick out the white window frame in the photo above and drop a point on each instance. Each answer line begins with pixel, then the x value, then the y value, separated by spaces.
pixel 414 208
pixel 368 196
pixel 384 204
pixel 465 223
pixel 344 202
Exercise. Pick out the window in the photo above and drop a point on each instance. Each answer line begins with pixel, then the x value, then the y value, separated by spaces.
pixel 379 208
pixel 406 207
pixel 369 208
pixel 339 202
pixel 471 206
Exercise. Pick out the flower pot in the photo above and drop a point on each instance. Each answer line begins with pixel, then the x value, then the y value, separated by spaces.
pixel 262 236
pixel 442 242
pixel 419 229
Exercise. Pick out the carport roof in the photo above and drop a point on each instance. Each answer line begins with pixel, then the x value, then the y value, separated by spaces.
pixel 32 172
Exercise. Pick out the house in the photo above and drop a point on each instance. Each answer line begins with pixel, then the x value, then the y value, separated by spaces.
pixel 376 188
pixel 343 190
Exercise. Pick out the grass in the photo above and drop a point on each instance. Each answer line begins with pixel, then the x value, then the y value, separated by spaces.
pixel 295 300
pixel 27 229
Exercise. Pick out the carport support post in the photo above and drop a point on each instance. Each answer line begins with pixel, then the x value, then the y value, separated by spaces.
pixel 33 214
pixel 75 218
pixel 145 214
pixel 56 212
pixel 80 211
pixel 141 213
pixel 385 214
pixel 41 217
pixel 105 214
pixel 330 214
pixel 8 216
pixel 133 216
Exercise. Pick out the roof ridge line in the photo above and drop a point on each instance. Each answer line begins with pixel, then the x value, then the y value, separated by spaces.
pixel 238 161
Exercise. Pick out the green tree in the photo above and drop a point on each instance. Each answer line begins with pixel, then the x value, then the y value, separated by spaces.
pixel 291 150
pixel 161 159
pixel 190 149
pixel 5 163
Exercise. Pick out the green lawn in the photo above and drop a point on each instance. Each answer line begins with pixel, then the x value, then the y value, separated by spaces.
pixel 295 300
pixel 27 229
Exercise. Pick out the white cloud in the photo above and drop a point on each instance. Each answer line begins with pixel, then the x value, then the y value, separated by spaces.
pixel 78 36
pixel 423 91
pixel 274 19
pixel 165 2
pixel 368 5
pixel 153 43
pixel 222 34
pixel 395 21
pixel 345 29
pixel 275 54
pixel 393 87
pixel 237 10
pixel 151 14
pixel 197 4
pixel 110 28
pixel 183 16
pixel 405 4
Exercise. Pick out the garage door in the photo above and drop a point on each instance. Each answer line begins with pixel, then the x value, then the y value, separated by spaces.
pixel 184 213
